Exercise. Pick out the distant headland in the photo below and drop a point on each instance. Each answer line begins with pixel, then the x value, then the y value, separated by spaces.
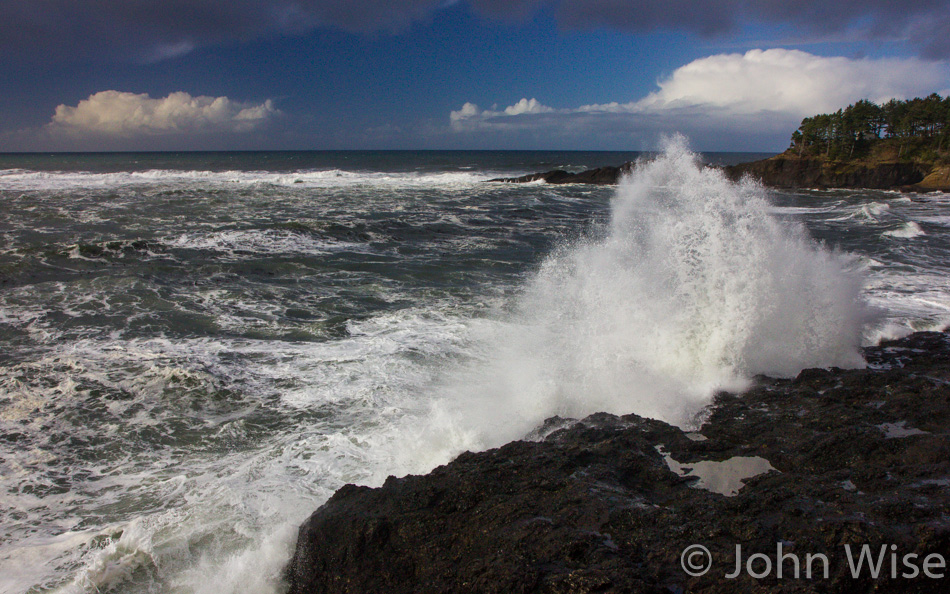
pixel 896 145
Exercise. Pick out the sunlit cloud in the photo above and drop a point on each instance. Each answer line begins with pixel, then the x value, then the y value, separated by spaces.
pixel 761 92
pixel 115 113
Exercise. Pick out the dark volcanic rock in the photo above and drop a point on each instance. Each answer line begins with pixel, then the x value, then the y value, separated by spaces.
pixel 601 176
pixel 783 171
pixel 860 457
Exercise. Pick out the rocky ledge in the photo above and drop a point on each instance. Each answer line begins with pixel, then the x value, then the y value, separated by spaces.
pixel 785 171
pixel 601 176
pixel 801 472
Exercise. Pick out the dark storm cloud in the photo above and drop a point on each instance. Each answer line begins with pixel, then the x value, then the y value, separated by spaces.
pixel 40 30
pixel 506 9
pixel 706 17
pixel 923 23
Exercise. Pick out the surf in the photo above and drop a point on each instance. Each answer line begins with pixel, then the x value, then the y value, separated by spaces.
pixel 684 284
pixel 692 287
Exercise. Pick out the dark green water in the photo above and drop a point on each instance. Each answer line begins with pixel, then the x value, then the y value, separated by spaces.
pixel 198 348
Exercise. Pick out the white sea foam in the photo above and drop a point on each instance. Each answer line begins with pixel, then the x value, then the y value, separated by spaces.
pixel 874 210
pixel 908 230
pixel 356 395
pixel 865 213
pixel 914 300
pixel 24 180
pixel 255 241
pixel 696 287
pixel 800 210
pixel 942 220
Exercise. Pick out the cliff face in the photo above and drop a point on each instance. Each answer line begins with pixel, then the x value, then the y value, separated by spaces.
pixel 937 179
pixel 784 171
pixel 609 504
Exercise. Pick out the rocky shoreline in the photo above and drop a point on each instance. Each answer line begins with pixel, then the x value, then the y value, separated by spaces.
pixel 786 171
pixel 814 468
pixel 602 176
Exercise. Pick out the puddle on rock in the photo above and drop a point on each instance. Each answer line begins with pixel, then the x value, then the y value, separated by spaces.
pixel 723 477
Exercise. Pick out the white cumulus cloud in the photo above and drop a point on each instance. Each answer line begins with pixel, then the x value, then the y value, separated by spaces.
pixel 760 92
pixel 527 106
pixel 472 113
pixel 793 81
pixel 115 113
pixel 469 110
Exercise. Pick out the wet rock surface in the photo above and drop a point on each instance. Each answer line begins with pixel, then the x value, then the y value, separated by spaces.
pixel 609 504
pixel 600 176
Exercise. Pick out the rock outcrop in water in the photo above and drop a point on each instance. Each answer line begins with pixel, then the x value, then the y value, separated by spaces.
pixel 601 176
pixel 809 466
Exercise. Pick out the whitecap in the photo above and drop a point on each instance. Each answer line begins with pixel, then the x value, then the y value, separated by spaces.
pixel 909 230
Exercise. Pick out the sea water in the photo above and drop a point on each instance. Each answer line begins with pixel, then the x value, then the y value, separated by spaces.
pixel 199 348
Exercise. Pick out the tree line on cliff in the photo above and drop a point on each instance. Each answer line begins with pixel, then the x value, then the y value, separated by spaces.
pixel 914 129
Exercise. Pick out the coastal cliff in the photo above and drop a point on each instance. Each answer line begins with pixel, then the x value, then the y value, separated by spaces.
pixel 899 145
pixel 823 465
pixel 895 145
pixel 788 171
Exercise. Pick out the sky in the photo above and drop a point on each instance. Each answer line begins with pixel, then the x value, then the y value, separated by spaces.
pixel 730 75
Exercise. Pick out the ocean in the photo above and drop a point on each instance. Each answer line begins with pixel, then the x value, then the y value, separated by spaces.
pixel 198 349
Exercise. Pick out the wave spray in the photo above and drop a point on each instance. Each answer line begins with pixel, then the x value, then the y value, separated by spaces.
pixel 694 287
